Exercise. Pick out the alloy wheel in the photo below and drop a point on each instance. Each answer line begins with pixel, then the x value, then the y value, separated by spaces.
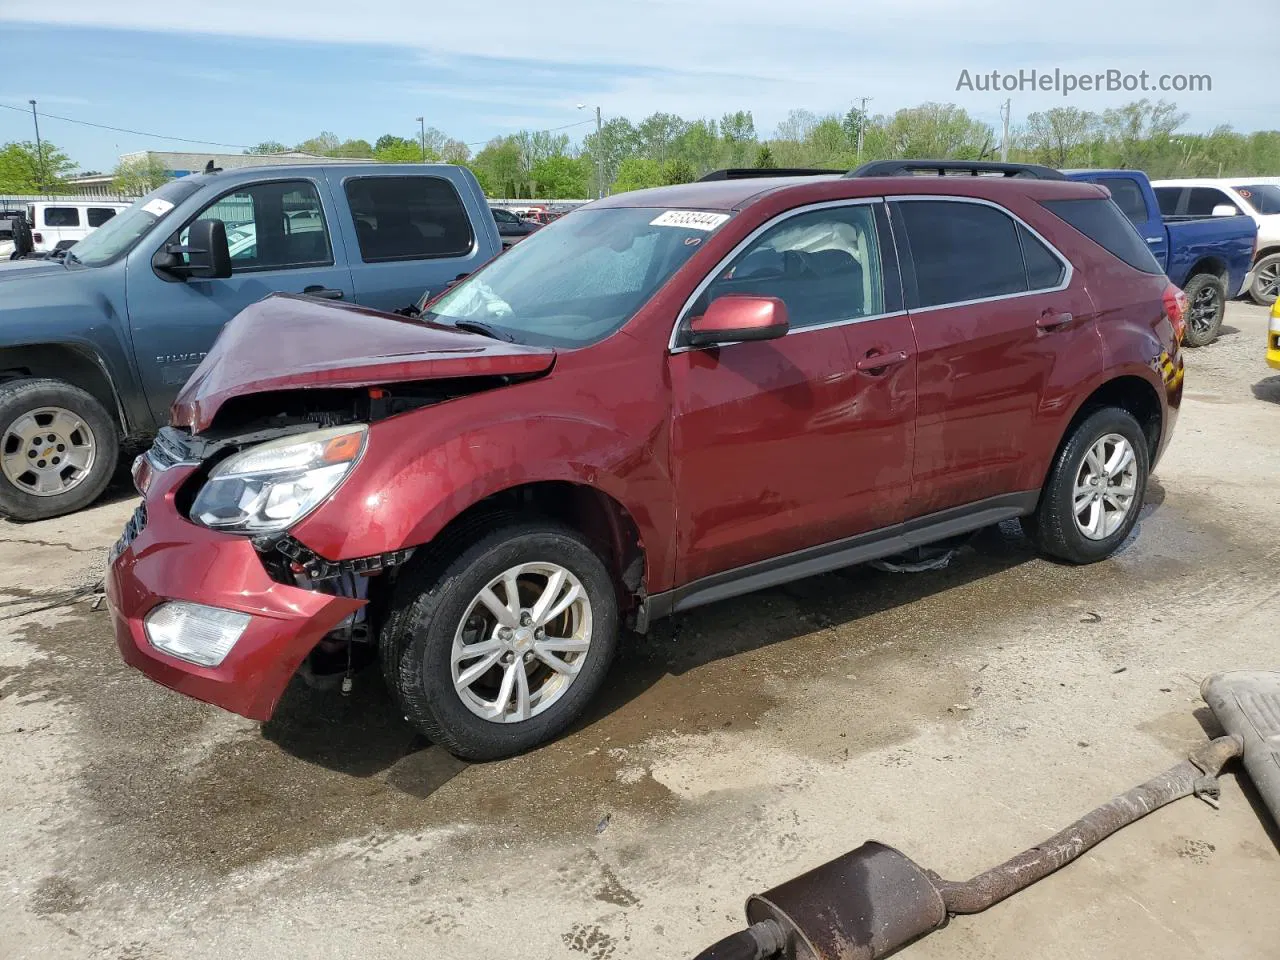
pixel 47 451
pixel 1203 311
pixel 1106 487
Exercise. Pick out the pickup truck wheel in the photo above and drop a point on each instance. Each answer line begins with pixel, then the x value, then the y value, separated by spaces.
pixel 1266 280
pixel 1091 500
pixel 58 449
pixel 501 649
pixel 1206 304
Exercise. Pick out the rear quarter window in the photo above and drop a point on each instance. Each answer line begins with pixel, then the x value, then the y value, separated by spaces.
pixel 1103 222
pixel 408 218
pixel 100 215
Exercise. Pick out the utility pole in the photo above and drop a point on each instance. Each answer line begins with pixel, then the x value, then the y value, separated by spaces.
pixel 862 123
pixel 1006 108
pixel 422 137
pixel 39 147
pixel 600 153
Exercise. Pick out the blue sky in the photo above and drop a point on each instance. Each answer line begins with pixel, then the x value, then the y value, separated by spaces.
pixel 243 71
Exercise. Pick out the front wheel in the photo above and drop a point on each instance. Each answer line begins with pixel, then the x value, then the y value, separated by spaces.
pixel 502 649
pixel 1266 280
pixel 58 449
pixel 1206 305
pixel 1095 489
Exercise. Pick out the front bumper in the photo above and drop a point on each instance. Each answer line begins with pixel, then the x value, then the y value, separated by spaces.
pixel 170 558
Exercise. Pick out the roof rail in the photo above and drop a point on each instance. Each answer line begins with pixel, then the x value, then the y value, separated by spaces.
pixel 941 168
pixel 748 173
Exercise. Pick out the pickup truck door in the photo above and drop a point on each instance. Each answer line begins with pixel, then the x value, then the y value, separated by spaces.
pixel 281 238
pixel 1135 199
pixel 407 232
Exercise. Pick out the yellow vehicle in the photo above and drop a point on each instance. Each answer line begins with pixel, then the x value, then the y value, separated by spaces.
pixel 1273 337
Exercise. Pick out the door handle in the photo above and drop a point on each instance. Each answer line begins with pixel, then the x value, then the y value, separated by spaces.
pixel 880 361
pixel 324 293
pixel 1050 320
pixel 1154 239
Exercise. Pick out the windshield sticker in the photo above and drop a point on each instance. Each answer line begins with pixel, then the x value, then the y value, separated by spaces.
pixel 157 207
pixel 690 220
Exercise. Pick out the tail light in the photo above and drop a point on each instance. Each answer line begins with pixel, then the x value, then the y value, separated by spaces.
pixel 37 238
pixel 1175 308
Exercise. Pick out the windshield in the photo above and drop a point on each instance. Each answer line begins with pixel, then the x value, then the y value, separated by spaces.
pixel 1263 197
pixel 581 278
pixel 117 236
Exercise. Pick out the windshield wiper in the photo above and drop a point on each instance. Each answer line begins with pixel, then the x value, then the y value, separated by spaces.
pixel 476 326
pixel 69 256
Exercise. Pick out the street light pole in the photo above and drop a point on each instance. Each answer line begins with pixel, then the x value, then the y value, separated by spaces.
pixel 599 152
pixel 422 137
pixel 39 146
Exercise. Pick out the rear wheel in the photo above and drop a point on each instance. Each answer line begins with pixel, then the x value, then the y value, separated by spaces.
pixel 502 648
pixel 58 449
pixel 1206 304
pixel 1266 280
pixel 1091 500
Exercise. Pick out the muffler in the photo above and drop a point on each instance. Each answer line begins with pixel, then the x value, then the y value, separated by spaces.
pixel 875 900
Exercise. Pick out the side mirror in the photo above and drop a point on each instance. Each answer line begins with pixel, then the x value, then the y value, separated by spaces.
pixel 208 256
pixel 732 318
pixel 1224 210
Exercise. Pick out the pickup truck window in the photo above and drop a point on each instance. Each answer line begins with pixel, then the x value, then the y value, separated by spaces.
pixel 277 225
pixel 118 235
pixel 61 217
pixel 576 281
pixel 1168 198
pixel 408 218
pixel 1263 197
pixel 962 251
pixel 1102 222
pixel 824 265
pixel 1128 197
pixel 1203 199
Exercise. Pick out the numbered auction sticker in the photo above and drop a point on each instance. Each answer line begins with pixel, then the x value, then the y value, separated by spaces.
pixel 157 207
pixel 690 219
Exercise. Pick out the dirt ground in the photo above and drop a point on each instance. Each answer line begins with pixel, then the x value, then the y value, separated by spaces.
pixel 959 715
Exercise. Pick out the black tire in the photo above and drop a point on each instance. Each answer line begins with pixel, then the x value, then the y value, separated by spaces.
pixel 1264 288
pixel 23 242
pixel 429 602
pixel 1206 305
pixel 18 397
pixel 1052 528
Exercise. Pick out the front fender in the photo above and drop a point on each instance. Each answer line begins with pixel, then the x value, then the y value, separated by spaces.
pixel 417 475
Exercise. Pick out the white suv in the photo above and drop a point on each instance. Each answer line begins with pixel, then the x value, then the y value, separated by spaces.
pixel 57 224
pixel 1257 197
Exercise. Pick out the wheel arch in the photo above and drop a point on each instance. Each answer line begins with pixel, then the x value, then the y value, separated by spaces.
pixel 1210 265
pixel 76 364
pixel 1130 392
pixel 1263 252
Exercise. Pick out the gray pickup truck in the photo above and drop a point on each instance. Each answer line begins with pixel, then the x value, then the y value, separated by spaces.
pixel 95 344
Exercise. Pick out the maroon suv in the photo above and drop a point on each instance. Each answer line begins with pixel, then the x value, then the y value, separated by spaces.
pixel 664 399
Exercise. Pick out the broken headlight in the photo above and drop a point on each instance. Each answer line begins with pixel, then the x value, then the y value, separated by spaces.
pixel 270 487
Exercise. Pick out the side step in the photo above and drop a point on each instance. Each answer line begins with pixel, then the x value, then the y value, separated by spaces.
pixel 1247 704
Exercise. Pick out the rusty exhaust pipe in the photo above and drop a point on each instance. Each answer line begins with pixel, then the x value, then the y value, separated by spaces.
pixel 875 900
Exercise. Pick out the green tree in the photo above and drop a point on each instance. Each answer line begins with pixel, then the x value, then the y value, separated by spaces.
pixel 636 173
pixel 1060 137
pixel 402 153
pixel 390 141
pixel 23 170
pixel 678 170
pixel 738 131
pixel 658 134
pixel 269 146
pixel 764 158
pixel 139 175
pixel 699 145
pixel 323 144
pixel 498 168
pixel 797 126
pixel 616 142
pixel 561 178
pixel 938 130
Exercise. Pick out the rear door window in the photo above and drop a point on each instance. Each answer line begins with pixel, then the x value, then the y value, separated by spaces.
pixel 97 216
pixel 61 217
pixel 1263 197
pixel 1168 198
pixel 1204 199
pixel 408 218
pixel 962 251
pixel 1128 197
pixel 1102 222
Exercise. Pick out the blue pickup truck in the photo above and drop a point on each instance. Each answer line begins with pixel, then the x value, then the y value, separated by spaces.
pixel 95 345
pixel 1209 258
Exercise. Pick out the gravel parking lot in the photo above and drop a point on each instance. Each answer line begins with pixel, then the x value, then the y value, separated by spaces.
pixel 959 715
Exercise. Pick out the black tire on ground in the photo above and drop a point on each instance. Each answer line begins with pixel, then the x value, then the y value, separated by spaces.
pixel 18 397
pixel 23 242
pixel 1052 528
pixel 1206 303
pixel 430 599
pixel 1266 280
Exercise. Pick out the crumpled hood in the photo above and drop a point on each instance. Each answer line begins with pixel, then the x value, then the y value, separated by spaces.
pixel 288 342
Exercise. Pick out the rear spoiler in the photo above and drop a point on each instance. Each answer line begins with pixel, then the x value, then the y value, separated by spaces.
pixel 942 168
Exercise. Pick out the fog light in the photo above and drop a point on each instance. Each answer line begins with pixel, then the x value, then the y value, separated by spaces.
pixel 194 632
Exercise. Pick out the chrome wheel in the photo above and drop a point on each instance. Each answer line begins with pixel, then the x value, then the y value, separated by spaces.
pixel 1267 282
pixel 47 451
pixel 1106 487
pixel 1203 311
pixel 521 642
